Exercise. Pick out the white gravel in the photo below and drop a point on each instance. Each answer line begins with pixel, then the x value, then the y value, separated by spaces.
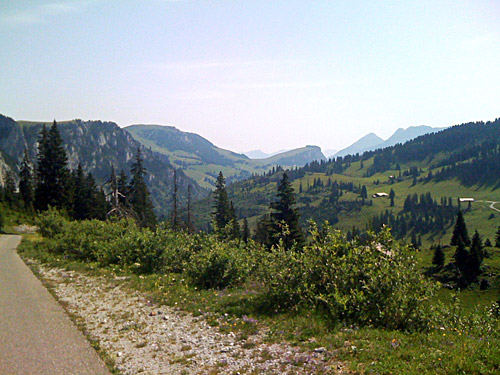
pixel 143 338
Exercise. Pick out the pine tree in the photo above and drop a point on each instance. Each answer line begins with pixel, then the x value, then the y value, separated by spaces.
pixel 284 212
pixel 497 238
pixel 235 231
pixel 476 255
pixel 26 183
pixel 246 231
pixel 9 191
pixel 190 226
pixel 392 194
pixel 460 231
pixel 139 194
pixel 52 170
pixel 439 257
pixel 461 257
pixel 175 218
pixel 222 213
pixel 262 231
pixel 81 203
pixel 122 186
pixel 414 241
pixel 364 193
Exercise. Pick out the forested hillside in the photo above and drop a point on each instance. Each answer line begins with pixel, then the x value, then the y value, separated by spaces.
pixel 98 146
pixel 420 183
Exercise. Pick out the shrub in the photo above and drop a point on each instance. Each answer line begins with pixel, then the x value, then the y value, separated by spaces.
pixel 377 284
pixel 215 264
pixel 177 248
pixel 51 223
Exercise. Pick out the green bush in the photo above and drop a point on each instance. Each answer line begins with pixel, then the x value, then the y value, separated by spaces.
pixel 378 284
pixel 215 264
pixel 178 248
pixel 51 223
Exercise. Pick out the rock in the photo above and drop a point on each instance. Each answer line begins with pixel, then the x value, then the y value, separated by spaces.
pixel 320 350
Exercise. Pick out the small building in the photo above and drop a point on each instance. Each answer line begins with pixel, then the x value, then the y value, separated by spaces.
pixel 378 195
pixel 461 200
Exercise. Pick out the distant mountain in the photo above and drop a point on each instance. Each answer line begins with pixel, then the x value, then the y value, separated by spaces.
pixel 298 157
pixel 258 154
pixel 404 135
pixel 372 142
pixel 329 153
pixel 202 160
pixel 97 146
pixel 366 143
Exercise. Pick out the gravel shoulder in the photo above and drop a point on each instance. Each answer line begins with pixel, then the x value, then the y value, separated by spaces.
pixel 144 338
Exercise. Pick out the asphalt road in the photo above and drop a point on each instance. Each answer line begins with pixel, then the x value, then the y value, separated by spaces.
pixel 36 336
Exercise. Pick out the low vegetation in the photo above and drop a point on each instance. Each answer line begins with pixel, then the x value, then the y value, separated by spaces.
pixel 367 303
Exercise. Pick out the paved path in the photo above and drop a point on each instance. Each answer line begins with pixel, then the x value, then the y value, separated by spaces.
pixel 36 336
pixel 492 205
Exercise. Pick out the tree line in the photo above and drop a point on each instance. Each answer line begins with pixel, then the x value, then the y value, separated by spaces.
pixel 49 182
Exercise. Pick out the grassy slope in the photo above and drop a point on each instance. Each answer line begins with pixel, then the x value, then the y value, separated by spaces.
pixel 205 173
pixel 478 218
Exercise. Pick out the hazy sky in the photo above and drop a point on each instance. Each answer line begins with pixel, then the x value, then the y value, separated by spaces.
pixel 253 74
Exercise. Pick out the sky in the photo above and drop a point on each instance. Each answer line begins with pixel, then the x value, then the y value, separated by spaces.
pixel 254 74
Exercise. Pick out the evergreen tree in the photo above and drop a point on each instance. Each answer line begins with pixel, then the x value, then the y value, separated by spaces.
pixel 52 170
pixel 139 194
pixel 122 185
pixel 81 198
pixel 461 257
pixel 414 241
pixel 392 194
pixel 497 238
pixel 189 223
pixel 487 243
pixel 1 222
pixel 284 212
pixel 26 183
pixel 9 190
pixel 364 193
pixel 460 231
pixel 222 211
pixel 262 231
pixel 113 184
pixel 175 218
pixel 476 255
pixel 246 231
pixel 235 230
pixel 439 257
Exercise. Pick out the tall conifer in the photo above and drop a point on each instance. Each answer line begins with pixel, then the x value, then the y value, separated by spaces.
pixel 139 194
pixel 52 170
pixel 222 211
pixel 26 183
pixel 460 231
pixel 284 212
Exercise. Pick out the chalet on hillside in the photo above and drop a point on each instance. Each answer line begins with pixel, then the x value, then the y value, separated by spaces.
pixel 461 200
pixel 378 195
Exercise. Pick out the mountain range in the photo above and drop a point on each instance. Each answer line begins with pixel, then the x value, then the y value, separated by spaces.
pixel 201 160
pixel 372 141
pixel 99 145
